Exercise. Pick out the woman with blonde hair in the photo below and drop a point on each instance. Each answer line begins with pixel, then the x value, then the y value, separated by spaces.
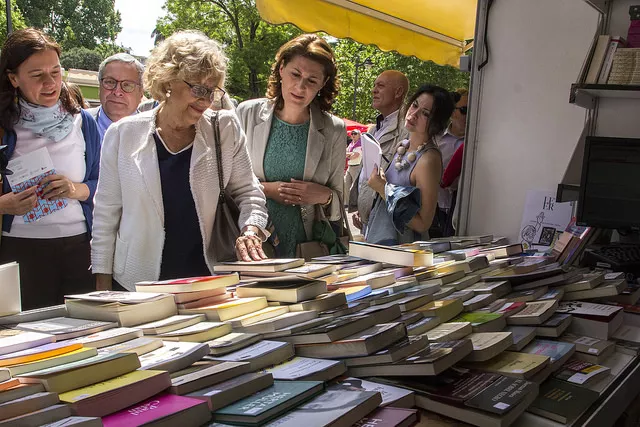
pixel 297 147
pixel 158 192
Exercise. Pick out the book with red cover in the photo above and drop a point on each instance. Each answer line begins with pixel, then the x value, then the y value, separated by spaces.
pixel 186 410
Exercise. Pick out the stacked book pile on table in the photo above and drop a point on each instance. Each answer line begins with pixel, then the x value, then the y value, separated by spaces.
pixel 466 330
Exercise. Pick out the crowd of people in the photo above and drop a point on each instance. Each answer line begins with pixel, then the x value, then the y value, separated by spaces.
pixel 144 182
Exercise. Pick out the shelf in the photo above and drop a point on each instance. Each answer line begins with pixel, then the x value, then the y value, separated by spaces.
pixel 599 5
pixel 585 95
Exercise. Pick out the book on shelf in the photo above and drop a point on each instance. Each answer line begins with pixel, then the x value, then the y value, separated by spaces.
pixel 266 265
pixel 222 394
pixel 391 396
pixel 269 403
pixel 308 369
pixel 432 360
pixel 554 326
pixel 259 355
pixel 115 394
pixel 191 379
pixel 597 59
pixel 590 349
pixel 34 315
pixel 331 408
pixel 390 417
pixel 591 319
pixel 290 292
pixel 449 331
pixel 614 43
pixel 481 321
pixel 360 344
pixel 191 284
pixel 12 340
pixel 63 328
pixel 126 308
pixel 522 335
pixel 138 346
pixel 487 345
pixel 24 405
pixel 535 313
pixel 562 401
pixel 582 373
pixel 391 254
pixel 512 364
pixel 50 362
pixel 165 408
pixel 198 332
pixel 229 309
pixel 172 323
pixel 173 356
pixel 558 352
pixel 83 372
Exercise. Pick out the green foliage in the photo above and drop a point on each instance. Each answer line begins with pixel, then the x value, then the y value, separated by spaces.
pixel 419 72
pixel 74 23
pixel 82 58
pixel 17 20
pixel 250 43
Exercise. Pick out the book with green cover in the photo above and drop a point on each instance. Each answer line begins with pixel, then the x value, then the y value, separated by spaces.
pixel 269 403
pixel 561 401
pixel 482 321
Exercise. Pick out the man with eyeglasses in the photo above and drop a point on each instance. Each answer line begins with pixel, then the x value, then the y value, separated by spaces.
pixel 120 78
pixel 450 141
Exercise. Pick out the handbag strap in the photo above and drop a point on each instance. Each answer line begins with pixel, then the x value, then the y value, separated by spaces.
pixel 216 137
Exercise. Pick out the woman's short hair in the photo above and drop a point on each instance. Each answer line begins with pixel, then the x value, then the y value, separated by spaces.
pixel 17 48
pixel 441 109
pixel 185 55
pixel 312 47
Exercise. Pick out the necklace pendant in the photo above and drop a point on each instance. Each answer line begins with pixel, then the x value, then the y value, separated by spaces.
pixel 398 166
pixel 411 157
pixel 401 150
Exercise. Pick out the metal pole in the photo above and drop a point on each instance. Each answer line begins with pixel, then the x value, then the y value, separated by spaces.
pixel 9 24
pixel 355 89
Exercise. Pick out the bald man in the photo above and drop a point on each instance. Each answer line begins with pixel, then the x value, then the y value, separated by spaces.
pixel 389 92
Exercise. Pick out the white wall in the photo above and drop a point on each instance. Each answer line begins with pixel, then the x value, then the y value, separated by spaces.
pixel 526 129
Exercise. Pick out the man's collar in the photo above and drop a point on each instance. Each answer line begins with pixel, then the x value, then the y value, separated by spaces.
pixel 381 119
pixel 448 132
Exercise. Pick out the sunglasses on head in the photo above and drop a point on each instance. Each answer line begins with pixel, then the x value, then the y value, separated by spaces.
pixel 353 133
pixel 463 110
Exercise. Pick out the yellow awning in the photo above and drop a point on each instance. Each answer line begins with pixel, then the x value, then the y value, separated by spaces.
pixel 428 29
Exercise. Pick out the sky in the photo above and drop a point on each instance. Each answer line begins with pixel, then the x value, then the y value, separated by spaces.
pixel 138 21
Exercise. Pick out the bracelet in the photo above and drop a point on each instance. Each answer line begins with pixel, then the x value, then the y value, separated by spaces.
pixel 250 233
pixel 328 202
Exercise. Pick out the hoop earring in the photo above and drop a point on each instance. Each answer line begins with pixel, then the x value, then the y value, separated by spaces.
pixel 168 93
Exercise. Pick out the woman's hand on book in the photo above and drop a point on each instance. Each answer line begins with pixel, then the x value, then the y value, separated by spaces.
pixel 19 203
pixel 249 247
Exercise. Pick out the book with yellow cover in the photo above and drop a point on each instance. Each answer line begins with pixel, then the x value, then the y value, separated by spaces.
pixel 112 384
pixel 229 309
pixel 38 353
pixel 513 364
pixel 258 316
pixel 50 362
pixel 391 255
pixel 445 310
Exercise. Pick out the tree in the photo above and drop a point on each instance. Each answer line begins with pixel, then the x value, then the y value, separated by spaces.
pixel 74 23
pixel 17 20
pixel 81 58
pixel 250 43
pixel 418 72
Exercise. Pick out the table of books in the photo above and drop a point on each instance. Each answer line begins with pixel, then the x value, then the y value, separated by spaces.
pixel 464 331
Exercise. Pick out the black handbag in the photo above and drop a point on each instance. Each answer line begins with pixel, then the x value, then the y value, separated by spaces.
pixel 225 225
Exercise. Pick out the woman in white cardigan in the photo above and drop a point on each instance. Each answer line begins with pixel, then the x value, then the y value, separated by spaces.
pixel 158 189
pixel 297 148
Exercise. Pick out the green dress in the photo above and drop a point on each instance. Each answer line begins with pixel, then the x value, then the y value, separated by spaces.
pixel 284 159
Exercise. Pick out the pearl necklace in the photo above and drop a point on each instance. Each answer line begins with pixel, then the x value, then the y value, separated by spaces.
pixel 403 163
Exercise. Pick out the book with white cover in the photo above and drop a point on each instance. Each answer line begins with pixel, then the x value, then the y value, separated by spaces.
pixel 232 342
pixel 10 303
pixel 118 296
pixel 128 311
pixel 108 337
pixel 139 346
pixel 35 315
pixel 308 369
pixel 534 313
pixel 449 331
pixel 201 331
pixel 280 322
pixel 173 356
pixel 488 344
pixel 272 264
pixel 172 323
pixel 66 327
pixel 391 396
pixel 260 355
pixel 12 340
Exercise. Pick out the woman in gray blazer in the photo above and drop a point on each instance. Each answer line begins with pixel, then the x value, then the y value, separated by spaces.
pixel 297 148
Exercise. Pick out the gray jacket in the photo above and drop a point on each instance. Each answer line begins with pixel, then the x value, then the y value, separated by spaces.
pixel 325 156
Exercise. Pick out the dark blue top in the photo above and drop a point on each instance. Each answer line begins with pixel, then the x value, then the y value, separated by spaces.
pixel 93 141
pixel 183 254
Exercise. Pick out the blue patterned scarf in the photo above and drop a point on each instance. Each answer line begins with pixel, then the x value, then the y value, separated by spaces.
pixel 54 122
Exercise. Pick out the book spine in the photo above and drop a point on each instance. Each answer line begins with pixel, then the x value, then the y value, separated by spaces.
pixel 608 60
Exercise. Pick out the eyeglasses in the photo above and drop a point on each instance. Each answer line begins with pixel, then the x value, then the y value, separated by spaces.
pixel 354 133
pixel 127 86
pixel 463 110
pixel 198 91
